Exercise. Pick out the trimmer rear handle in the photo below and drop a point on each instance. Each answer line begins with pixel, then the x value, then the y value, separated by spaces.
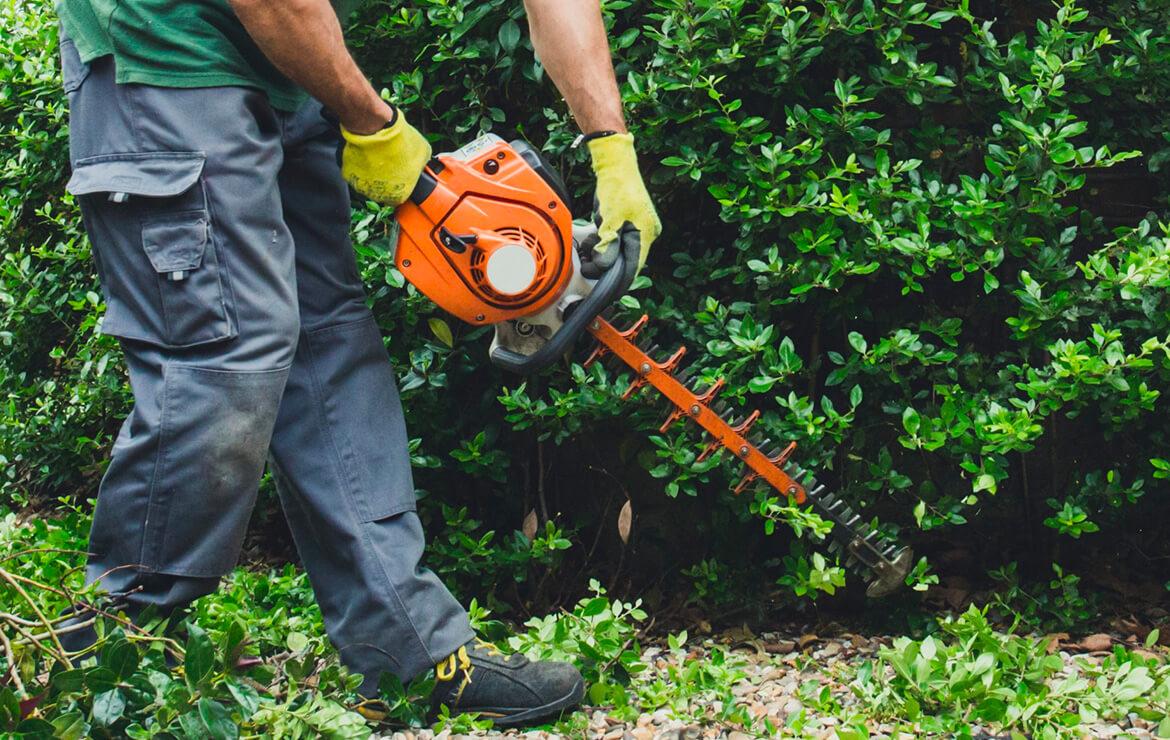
pixel 609 288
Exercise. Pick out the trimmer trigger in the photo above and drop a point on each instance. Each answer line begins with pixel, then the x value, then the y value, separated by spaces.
pixel 457 243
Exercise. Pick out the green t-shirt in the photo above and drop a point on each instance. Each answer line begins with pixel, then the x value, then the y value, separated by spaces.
pixel 191 43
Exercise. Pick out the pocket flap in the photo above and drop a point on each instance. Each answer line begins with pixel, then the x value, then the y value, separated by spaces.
pixel 149 174
pixel 73 70
pixel 176 244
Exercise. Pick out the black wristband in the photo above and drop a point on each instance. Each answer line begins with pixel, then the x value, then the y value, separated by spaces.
pixel 393 119
pixel 586 138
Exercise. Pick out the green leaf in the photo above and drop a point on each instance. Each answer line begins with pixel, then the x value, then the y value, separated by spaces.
pixel 509 35
pixel 857 342
pixel 70 726
pixel 761 384
pixel 245 696
pixel 200 657
pixel 296 642
pixel 99 679
pixel 217 720
pixel 108 707
pixel 120 657
pixel 441 331
pixel 911 421
pixel 69 681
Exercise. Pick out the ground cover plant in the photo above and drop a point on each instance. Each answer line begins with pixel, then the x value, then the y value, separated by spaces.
pixel 928 240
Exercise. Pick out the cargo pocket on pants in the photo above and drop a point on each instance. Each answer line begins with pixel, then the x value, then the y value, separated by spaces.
pixel 73 70
pixel 153 238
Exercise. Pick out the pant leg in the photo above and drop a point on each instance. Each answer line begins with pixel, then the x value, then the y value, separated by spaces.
pixel 178 190
pixel 340 447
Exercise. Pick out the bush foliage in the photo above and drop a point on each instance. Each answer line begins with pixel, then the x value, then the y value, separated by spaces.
pixel 927 240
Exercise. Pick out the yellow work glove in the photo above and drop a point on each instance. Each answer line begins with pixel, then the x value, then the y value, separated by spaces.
pixel 623 205
pixel 385 165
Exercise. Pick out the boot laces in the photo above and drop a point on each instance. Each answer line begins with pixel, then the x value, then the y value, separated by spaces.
pixel 488 647
pixel 457 661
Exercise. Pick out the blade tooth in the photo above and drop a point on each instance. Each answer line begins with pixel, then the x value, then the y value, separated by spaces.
pixel 851 562
pixel 675 359
pixel 636 327
pixel 599 352
pixel 710 391
pixel 684 376
pixel 834 546
pixel 743 424
pixel 782 455
pixel 750 477
pixel 635 385
pixel 816 492
pixel 721 408
pixel 761 444
pixel 709 450
pixel 833 507
pixel 845 515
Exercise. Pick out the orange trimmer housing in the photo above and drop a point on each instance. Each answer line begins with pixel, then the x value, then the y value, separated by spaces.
pixel 486 235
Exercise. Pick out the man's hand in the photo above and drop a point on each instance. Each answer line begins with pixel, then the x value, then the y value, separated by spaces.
pixel 385 165
pixel 623 205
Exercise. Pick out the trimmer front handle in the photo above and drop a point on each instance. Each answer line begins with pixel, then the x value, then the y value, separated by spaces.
pixel 608 289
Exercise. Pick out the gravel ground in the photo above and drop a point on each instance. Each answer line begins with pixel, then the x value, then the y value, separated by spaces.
pixel 777 667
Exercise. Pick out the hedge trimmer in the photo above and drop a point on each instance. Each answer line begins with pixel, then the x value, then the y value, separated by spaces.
pixel 487 236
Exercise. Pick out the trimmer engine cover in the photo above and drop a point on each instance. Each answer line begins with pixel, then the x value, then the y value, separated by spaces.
pixel 487 233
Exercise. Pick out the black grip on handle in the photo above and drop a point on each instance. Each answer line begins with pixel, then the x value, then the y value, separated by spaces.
pixel 424 187
pixel 611 286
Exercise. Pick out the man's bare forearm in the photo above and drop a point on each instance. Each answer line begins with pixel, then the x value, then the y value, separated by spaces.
pixel 569 37
pixel 303 39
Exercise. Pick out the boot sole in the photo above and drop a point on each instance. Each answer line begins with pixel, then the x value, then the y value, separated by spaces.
pixel 508 718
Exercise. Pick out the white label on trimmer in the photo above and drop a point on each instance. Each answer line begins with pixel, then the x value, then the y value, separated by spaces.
pixel 473 149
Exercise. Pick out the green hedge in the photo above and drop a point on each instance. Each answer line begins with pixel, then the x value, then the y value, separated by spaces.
pixel 923 240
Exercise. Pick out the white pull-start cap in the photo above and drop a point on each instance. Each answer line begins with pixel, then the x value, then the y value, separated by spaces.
pixel 511 269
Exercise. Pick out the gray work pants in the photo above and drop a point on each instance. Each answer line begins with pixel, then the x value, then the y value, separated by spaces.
pixel 220 231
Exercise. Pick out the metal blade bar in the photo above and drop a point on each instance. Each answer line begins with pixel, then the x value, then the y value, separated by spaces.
pixel 857 541
pixel 650 371
pixel 862 544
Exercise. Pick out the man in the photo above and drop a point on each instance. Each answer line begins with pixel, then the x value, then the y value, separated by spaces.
pixel 209 185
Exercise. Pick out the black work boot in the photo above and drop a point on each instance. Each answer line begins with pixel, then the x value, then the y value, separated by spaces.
pixel 510 690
